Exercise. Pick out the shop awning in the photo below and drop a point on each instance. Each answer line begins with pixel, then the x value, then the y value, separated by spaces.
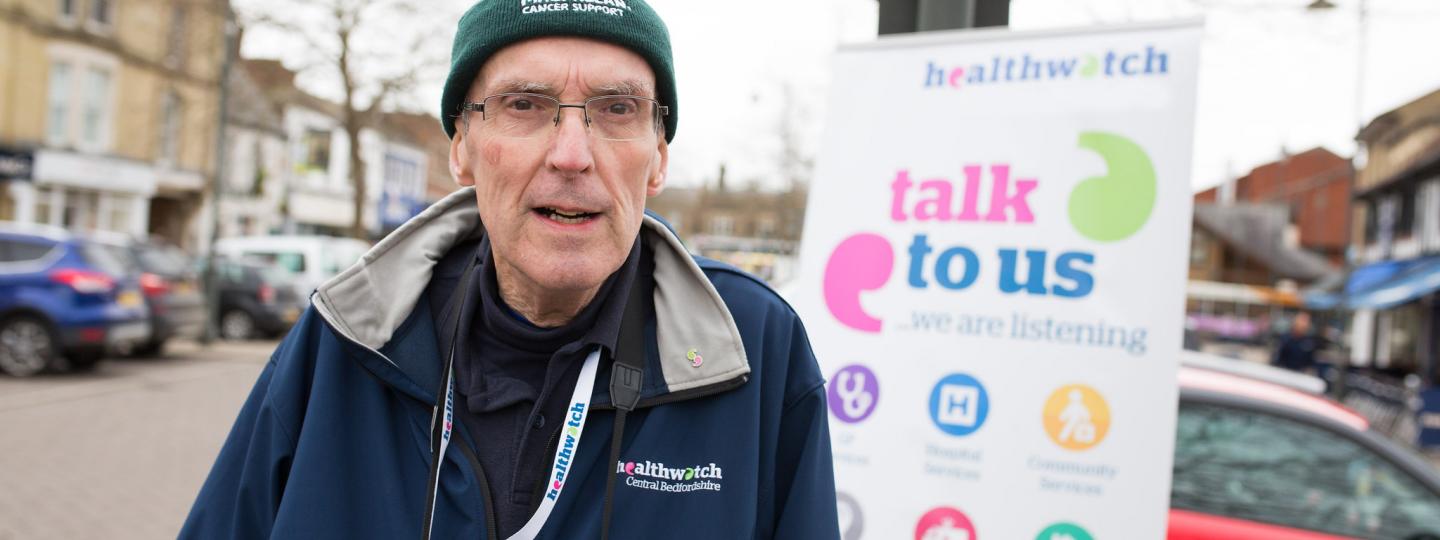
pixel 1383 285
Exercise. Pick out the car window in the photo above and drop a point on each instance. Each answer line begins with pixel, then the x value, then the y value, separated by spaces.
pixel 112 260
pixel 293 261
pixel 161 260
pixel 340 257
pixel 1260 467
pixel 22 251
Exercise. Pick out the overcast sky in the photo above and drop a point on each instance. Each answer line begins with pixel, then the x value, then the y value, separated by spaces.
pixel 1274 75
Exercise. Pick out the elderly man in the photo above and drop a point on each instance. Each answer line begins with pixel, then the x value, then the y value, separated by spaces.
pixel 554 365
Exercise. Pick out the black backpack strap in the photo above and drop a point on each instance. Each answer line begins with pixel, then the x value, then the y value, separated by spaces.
pixel 626 377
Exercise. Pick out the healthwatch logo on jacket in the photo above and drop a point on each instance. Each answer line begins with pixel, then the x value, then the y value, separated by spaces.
pixel 1102 209
pixel 658 477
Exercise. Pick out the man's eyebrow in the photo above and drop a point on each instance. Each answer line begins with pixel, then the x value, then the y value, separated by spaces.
pixel 519 86
pixel 628 87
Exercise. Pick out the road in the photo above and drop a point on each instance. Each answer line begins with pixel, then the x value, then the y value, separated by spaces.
pixel 118 453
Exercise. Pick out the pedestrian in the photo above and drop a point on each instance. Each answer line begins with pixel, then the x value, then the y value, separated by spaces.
pixel 566 369
pixel 1298 348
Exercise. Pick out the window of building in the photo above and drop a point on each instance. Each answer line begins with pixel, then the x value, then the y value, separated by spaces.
pixel 1199 249
pixel 68 10
pixel 765 228
pixel 101 12
pixel 175 53
pixel 316 144
pixel 95 112
pixel 58 117
pixel 722 225
pixel 170 117
pixel 1253 466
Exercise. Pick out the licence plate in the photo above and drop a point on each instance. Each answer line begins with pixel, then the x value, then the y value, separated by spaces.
pixel 129 299
pixel 129 332
pixel 292 315
pixel 185 287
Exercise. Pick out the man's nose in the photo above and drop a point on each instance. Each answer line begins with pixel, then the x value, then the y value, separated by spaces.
pixel 570 149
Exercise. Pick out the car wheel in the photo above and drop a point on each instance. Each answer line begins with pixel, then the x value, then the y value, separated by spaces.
pixel 237 324
pixel 27 346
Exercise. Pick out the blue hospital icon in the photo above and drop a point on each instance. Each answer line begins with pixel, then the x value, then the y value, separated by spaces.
pixel 959 404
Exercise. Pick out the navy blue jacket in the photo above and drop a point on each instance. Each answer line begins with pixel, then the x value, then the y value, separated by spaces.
pixel 334 440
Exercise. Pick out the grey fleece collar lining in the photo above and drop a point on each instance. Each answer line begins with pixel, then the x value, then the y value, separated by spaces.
pixel 368 301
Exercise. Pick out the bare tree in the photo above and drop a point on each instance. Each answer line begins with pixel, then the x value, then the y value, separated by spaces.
pixel 376 50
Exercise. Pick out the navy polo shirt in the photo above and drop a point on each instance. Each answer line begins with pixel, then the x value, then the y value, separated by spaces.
pixel 513 380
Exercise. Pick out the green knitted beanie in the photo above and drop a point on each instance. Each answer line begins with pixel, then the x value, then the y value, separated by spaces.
pixel 490 25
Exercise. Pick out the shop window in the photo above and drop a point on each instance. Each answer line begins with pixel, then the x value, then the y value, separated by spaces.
pixel 44 203
pixel 118 214
pixel 80 210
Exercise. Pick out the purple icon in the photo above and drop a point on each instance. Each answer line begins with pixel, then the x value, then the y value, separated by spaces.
pixel 853 393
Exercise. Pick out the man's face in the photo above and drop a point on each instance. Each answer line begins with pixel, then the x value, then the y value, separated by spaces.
pixel 520 183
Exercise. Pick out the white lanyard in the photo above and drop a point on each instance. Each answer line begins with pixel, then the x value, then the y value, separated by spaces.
pixel 565 448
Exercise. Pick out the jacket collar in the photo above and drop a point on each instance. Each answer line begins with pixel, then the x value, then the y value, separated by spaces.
pixel 368 302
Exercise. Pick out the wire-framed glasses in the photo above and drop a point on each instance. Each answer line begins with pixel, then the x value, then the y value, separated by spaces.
pixel 524 115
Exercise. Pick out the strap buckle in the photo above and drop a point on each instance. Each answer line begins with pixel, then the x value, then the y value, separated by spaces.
pixel 625 383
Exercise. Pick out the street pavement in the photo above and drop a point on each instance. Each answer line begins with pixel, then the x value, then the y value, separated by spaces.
pixel 118 453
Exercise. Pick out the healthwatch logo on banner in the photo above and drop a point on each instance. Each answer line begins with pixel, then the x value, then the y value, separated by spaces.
pixel 1103 209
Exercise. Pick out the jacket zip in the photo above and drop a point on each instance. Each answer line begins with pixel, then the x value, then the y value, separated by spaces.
pixel 490 525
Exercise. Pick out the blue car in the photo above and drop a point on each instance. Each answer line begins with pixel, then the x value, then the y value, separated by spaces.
pixel 64 300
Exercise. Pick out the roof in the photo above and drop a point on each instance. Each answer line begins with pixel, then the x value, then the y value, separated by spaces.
pixel 278 84
pixel 248 106
pixel 1258 232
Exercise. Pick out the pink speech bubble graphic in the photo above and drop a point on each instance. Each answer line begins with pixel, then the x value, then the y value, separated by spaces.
pixel 862 262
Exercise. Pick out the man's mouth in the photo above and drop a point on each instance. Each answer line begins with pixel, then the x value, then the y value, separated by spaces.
pixel 566 217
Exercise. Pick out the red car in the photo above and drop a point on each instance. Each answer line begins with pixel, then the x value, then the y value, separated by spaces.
pixel 1261 454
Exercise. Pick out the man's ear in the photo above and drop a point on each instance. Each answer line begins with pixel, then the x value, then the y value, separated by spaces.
pixel 460 159
pixel 656 183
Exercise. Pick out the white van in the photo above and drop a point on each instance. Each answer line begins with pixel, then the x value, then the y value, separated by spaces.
pixel 313 259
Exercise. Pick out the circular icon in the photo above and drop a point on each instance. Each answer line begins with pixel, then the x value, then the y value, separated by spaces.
pixel 853 393
pixel 944 523
pixel 852 521
pixel 1076 417
pixel 959 404
pixel 1064 531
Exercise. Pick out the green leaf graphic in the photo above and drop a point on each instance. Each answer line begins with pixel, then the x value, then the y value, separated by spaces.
pixel 1113 207
pixel 1091 67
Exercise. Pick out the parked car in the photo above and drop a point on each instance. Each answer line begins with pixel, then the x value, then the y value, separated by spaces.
pixel 313 259
pixel 64 300
pixel 256 299
pixel 1261 454
pixel 171 287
